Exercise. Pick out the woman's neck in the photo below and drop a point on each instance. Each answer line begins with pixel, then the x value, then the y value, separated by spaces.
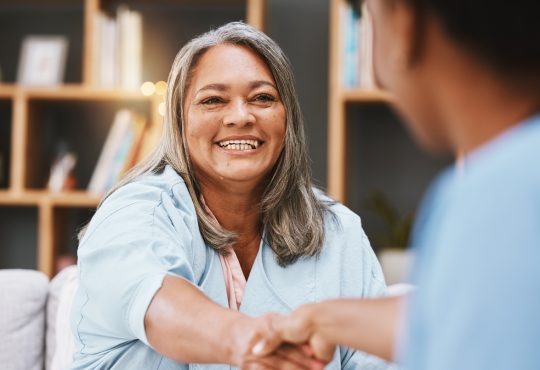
pixel 236 210
pixel 477 103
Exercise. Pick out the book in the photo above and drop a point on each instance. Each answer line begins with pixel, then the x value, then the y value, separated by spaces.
pixel 117 144
pixel 105 54
pixel 357 48
pixel 118 49
pixel 151 137
pixel 129 29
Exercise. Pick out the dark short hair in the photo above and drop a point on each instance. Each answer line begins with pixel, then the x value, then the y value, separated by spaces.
pixel 505 34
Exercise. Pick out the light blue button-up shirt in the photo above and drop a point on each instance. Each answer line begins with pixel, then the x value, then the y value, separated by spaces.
pixel 478 270
pixel 148 229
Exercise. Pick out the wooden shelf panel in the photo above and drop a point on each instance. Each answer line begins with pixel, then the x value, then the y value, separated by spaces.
pixel 7 90
pixel 365 96
pixel 74 199
pixel 79 92
pixel 70 92
pixel 12 198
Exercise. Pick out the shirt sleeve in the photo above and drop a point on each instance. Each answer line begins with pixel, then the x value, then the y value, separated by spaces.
pixel 476 306
pixel 122 262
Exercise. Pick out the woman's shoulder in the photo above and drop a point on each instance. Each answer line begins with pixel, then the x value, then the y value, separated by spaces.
pixel 336 212
pixel 150 189
pixel 164 192
pixel 156 203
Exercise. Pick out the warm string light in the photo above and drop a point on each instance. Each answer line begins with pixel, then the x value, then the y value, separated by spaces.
pixel 148 88
pixel 161 88
pixel 161 108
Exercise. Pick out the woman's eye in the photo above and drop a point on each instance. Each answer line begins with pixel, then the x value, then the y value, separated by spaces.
pixel 212 100
pixel 265 98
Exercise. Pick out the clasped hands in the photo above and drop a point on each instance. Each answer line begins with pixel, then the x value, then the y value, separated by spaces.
pixel 288 342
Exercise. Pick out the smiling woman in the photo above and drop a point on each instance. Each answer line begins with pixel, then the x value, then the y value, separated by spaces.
pixel 220 225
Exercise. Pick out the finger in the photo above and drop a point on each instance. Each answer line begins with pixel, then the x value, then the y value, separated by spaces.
pixel 307 349
pixel 298 356
pixel 278 362
pixel 322 349
pixel 263 363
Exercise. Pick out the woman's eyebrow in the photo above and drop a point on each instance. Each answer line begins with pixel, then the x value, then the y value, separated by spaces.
pixel 255 84
pixel 225 87
pixel 219 87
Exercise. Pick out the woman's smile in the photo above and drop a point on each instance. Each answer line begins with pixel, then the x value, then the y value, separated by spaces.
pixel 235 120
pixel 241 143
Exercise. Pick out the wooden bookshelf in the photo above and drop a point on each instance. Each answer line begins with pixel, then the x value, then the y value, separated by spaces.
pixel 338 98
pixel 26 133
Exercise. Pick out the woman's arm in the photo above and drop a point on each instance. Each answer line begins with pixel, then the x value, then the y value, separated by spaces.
pixel 183 324
pixel 369 325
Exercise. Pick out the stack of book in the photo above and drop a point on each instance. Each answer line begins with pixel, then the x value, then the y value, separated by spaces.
pixel 122 150
pixel 118 49
pixel 358 49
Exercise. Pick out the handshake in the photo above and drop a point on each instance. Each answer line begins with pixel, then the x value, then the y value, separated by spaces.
pixel 291 341
pixel 308 336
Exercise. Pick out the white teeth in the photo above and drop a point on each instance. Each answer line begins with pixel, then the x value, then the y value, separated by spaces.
pixel 239 144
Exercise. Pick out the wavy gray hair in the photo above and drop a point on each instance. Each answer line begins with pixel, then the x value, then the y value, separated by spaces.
pixel 291 213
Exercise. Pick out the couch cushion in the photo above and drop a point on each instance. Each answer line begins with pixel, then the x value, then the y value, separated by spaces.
pixel 23 295
pixel 60 345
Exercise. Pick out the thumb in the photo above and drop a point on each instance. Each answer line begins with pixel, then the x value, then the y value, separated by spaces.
pixel 272 339
pixel 266 346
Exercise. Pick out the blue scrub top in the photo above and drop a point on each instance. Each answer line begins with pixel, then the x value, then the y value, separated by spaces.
pixel 478 261
pixel 148 229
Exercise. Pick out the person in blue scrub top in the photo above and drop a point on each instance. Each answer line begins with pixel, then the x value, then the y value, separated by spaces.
pixel 185 258
pixel 465 76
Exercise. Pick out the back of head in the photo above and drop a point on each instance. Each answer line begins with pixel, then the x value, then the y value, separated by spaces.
pixel 505 34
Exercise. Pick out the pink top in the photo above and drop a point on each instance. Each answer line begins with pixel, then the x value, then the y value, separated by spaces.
pixel 235 281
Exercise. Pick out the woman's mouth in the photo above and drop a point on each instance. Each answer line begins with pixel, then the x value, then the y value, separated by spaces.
pixel 239 144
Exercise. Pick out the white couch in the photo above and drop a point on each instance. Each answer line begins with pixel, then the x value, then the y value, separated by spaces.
pixel 34 319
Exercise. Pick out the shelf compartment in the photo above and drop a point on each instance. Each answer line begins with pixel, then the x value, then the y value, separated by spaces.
pixel 23 18
pixel 82 125
pixel 168 26
pixel 59 229
pixel 18 237
pixel 383 158
pixel 6 113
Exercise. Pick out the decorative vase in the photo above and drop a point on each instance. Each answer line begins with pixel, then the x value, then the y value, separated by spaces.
pixel 395 264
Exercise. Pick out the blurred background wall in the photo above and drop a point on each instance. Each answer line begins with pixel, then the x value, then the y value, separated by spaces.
pixel 385 169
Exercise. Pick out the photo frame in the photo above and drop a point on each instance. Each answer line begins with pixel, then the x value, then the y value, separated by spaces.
pixel 42 60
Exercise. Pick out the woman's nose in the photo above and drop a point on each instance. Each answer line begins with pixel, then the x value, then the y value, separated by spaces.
pixel 238 114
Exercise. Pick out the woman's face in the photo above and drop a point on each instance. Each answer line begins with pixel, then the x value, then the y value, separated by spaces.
pixel 402 66
pixel 234 117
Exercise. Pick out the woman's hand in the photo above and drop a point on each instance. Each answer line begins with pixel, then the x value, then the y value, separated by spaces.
pixel 204 332
pixel 368 325
pixel 247 331
pixel 288 357
pixel 298 328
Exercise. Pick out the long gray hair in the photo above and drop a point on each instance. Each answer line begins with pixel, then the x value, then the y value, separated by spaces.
pixel 292 215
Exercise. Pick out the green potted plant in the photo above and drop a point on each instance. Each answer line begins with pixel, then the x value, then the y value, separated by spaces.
pixel 394 257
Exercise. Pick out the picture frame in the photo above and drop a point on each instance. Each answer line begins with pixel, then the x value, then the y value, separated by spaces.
pixel 42 60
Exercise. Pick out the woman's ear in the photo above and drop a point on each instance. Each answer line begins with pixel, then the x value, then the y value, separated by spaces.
pixel 409 24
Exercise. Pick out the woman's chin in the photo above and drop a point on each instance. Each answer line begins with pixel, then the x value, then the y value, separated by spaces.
pixel 242 176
